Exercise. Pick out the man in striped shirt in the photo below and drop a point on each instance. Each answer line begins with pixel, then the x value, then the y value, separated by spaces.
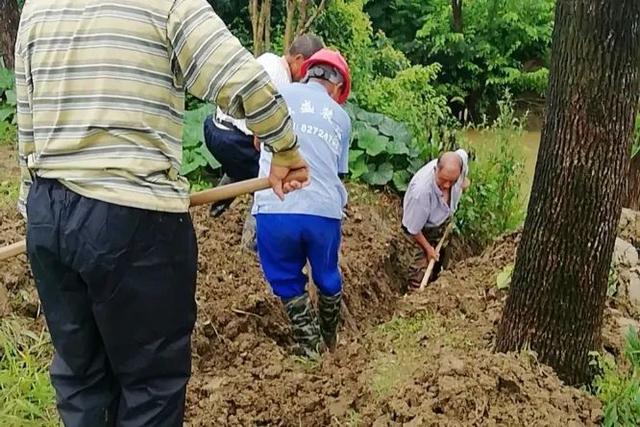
pixel 100 104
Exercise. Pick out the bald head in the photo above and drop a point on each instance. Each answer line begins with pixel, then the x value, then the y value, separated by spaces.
pixel 448 170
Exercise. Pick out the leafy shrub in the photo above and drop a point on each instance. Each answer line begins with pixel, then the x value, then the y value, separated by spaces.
pixel 8 116
pixel 493 204
pixel 503 44
pixel 620 391
pixel 345 27
pixel 387 61
pixel 410 97
pixel 197 161
pixel 382 152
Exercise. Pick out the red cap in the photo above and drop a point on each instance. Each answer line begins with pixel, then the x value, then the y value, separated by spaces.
pixel 335 60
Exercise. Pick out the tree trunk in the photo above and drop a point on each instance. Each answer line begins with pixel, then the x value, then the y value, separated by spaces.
pixel 309 22
pixel 632 193
pixel 9 20
pixel 556 302
pixel 456 9
pixel 255 17
pixel 303 7
pixel 266 5
pixel 289 24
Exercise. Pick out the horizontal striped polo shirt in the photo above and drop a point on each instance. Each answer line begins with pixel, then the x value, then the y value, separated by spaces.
pixel 100 87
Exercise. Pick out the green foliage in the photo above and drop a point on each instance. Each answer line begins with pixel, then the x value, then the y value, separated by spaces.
pixel 503 44
pixel 493 204
pixel 411 97
pixel 381 150
pixel 196 158
pixel 8 116
pixel 26 395
pixel 345 27
pixel 503 281
pixel 383 79
pixel 620 391
pixel 635 148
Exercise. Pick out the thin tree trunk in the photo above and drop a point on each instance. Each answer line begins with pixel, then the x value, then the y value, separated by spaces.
pixel 303 8
pixel 267 25
pixel 289 23
pixel 318 10
pixel 456 9
pixel 255 17
pixel 9 20
pixel 556 302
pixel 632 193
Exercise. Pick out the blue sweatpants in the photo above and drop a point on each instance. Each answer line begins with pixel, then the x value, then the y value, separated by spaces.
pixel 286 241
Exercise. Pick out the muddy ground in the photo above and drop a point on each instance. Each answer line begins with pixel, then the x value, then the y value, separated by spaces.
pixel 423 359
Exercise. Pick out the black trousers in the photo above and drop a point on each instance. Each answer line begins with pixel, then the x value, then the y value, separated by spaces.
pixel 233 149
pixel 117 286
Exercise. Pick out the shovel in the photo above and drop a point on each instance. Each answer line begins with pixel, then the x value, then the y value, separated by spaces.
pixel 200 198
pixel 432 263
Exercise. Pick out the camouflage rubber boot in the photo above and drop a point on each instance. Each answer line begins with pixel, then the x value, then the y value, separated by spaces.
pixel 329 314
pixel 248 240
pixel 304 325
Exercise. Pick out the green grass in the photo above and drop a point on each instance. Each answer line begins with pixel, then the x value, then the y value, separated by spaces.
pixel 402 351
pixel 9 191
pixel 26 395
pixel 618 390
pixel 8 133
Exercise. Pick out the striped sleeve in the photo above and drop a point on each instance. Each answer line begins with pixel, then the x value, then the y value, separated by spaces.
pixel 25 130
pixel 217 68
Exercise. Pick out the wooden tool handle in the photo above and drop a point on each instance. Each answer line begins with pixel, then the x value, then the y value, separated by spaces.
pixel 13 249
pixel 238 188
pixel 432 263
pixel 200 198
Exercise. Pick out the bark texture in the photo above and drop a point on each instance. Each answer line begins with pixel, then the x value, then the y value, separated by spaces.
pixel 9 20
pixel 556 303
pixel 456 10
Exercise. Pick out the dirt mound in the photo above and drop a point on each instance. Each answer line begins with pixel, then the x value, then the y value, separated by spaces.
pixel 431 364
pixel 457 379
pixel 423 359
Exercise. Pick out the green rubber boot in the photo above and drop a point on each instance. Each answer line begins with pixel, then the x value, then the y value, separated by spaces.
pixel 329 314
pixel 304 325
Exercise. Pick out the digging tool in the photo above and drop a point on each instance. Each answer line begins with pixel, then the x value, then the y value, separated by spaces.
pixel 432 263
pixel 200 198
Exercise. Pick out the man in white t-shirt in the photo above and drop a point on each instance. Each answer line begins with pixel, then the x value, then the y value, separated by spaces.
pixel 229 140
pixel 429 204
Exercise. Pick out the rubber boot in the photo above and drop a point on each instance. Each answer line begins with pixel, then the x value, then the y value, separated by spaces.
pixel 329 314
pixel 248 240
pixel 304 325
pixel 218 208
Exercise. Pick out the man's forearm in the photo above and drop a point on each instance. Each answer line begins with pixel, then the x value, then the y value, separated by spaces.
pixel 422 242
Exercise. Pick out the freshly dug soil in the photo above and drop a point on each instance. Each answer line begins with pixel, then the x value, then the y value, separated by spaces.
pixel 422 359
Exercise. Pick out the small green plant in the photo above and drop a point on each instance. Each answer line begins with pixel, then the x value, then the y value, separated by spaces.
pixel 196 158
pixel 619 391
pixel 612 282
pixel 9 191
pixel 503 281
pixel 493 204
pixel 26 395
pixel 382 150
pixel 8 116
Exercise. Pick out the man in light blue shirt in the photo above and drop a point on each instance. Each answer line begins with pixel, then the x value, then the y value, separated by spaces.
pixel 428 206
pixel 306 225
